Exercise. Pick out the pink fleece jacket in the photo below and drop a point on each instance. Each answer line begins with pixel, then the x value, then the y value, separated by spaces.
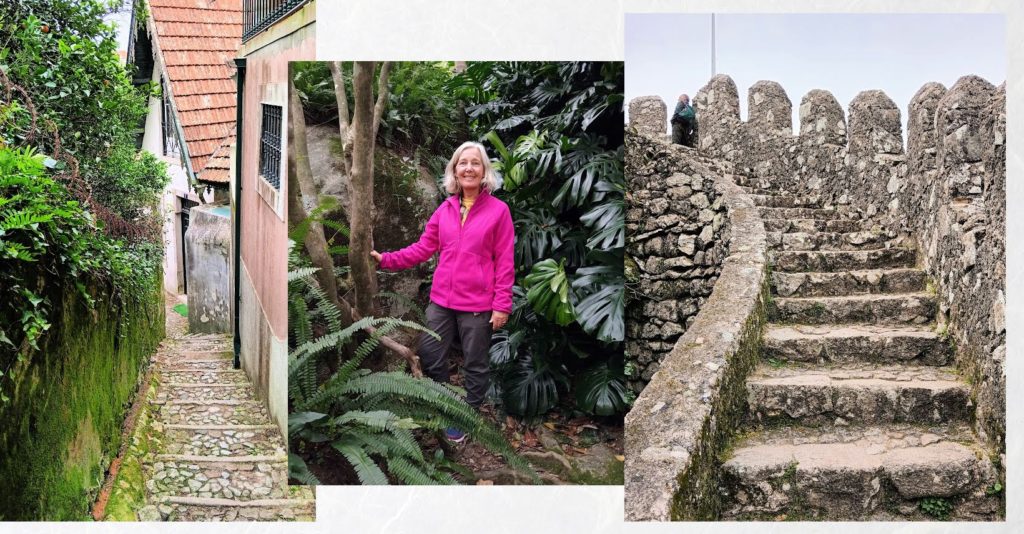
pixel 476 270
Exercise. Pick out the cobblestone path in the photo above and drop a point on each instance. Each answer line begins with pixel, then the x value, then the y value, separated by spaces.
pixel 855 412
pixel 213 453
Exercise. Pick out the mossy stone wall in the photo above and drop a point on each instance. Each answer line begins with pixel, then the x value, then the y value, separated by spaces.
pixel 62 427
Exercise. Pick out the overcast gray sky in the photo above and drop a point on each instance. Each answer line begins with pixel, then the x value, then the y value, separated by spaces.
pixel 669 54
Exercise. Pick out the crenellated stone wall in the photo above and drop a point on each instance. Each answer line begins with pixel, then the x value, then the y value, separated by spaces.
pixel 943 194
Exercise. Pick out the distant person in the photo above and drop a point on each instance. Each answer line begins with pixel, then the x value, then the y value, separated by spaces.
pixel 684 123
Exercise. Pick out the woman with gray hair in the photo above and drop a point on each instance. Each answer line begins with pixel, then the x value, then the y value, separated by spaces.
pixel 472 287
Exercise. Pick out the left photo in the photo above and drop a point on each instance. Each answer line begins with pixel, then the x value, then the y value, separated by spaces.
pixel 142 260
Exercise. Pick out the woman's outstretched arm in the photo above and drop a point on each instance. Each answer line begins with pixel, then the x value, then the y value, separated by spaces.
pixel 417 252
pixel 504 264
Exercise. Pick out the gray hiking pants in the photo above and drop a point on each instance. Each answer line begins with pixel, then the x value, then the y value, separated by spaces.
pixel 474 330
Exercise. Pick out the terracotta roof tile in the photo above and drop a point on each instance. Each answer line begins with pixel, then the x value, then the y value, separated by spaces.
pixel 198 39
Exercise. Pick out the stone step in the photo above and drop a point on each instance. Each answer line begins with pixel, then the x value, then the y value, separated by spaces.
pixel 205 376
pixel 856 392
pixel 904 308
pixel 858 473
pixel 204 355
pixel 223 440
pixel 177 391
pixel 841 260
pixel 213 364
pixel 856 342
pixel 251 478
pixel 825 240
pixel 798 213
pixel 207 510
pixel 774 200
pixel 811 225
pixel 214 413
pixel 868 281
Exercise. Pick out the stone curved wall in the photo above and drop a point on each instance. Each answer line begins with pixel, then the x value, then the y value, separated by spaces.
pixel 679 236
pixel 693 402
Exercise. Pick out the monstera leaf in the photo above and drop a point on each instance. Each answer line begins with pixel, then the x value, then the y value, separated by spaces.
pixel 601 310
pixel 548 292
pixel 601 390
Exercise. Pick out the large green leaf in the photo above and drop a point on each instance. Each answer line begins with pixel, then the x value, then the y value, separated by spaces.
pixel 531 388
pixel 601 314
pixel 601 390
pixel 548 292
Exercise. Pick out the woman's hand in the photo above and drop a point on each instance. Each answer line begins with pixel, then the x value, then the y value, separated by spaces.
pixel 375 255
pixel 498 320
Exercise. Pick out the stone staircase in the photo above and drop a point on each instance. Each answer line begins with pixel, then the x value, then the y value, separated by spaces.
pixel 854 412
pixel 219 457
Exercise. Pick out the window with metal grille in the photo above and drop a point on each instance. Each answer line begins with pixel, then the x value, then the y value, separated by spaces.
pixel 270 145
pixel 167 123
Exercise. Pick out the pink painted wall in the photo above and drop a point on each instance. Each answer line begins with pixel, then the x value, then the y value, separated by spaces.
pixel 264 233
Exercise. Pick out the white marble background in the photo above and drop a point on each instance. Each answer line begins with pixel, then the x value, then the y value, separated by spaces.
pixel 592 29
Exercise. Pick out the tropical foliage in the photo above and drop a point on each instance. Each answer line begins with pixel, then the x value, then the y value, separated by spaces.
pixel 75 194
pixel 556 129
pixel 370 418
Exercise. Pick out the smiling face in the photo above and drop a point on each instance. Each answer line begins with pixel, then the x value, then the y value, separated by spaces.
pixel 469 170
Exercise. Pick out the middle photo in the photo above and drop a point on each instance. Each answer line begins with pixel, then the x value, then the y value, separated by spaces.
pixel 456 287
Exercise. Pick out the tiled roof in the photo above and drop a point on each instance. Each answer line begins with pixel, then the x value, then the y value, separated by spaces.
pixel 198 41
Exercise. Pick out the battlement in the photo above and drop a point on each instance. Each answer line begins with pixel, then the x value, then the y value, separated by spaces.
pixel 943 126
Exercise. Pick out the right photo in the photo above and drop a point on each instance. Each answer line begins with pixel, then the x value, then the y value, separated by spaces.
pixel 815 273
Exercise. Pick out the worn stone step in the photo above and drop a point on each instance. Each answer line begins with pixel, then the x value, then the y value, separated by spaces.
pixel 205 376
pixel 251 478
pixel 863 282
pixel 223 440
pixel 841 260
pixel 860 392
pixel 203 355
pixel 856 342
pixel 775 200
pixel 812 225
pixel 298 506
pixel 177 391
pixel 903 308
pixel 827 240
pixel 214 413
pixel 798 213
pixel 857 473
pixel 212 364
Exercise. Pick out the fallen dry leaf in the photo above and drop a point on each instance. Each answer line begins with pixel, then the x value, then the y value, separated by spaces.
pixel 620 457
pixel 484 482
pixel 550 425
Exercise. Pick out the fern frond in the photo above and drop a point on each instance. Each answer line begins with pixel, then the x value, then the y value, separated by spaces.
pixel 367 470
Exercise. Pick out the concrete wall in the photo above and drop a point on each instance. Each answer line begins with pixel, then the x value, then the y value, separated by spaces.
pixel 208 258
pixel 170 204
pixel 263 313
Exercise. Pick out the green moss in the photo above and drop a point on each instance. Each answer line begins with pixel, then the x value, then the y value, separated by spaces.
pixel 614 475
pixel 699 498
pixel 129 491
pixel 63 424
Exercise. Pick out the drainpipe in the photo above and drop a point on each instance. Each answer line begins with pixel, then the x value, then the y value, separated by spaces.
pixel 237 260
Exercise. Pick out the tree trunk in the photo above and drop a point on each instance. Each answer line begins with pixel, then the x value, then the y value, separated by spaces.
pixel 298 172
pixel 315 243
pixel 344 127
pixel 364 273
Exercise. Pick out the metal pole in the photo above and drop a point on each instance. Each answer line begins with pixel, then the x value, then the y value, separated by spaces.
pixel 714 69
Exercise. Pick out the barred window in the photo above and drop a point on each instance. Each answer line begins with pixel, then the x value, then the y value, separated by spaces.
pixel 270 145
pixel 170 135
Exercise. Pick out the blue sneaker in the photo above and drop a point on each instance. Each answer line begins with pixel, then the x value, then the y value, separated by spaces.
pixel 455 435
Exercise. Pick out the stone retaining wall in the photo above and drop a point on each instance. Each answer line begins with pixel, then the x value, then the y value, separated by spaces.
pixel 681 421
pixel 679 235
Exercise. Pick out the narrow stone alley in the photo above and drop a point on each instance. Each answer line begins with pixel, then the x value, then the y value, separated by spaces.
pixel 209 451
